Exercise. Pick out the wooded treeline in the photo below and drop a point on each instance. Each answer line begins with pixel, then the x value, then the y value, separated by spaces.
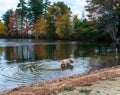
pixel 42 20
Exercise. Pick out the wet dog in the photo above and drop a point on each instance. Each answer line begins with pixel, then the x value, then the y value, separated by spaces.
pixel 66 63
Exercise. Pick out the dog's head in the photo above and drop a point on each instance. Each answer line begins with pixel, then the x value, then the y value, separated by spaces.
pixel 71 60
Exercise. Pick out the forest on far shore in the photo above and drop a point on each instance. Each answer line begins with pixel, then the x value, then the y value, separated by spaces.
pixel 39 19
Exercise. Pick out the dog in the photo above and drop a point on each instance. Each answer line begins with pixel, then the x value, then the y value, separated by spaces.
pixel 66 63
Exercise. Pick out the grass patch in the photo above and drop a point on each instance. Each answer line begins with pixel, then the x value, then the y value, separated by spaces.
pixel 69 88
pixel 86 91
pixel 112 79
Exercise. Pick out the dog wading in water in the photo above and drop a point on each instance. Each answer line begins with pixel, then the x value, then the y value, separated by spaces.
pixel 66 63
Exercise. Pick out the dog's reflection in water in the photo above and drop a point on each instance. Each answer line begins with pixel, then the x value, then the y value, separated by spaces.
pixel 66 63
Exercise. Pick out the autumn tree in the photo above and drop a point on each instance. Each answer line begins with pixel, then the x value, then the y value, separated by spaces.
pixel 104 11
pixel 63 26
pixel 54 13
pixel 39 28
pixel 3 30
pixel 14 24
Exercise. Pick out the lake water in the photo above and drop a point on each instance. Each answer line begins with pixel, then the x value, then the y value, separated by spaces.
pixel 25 62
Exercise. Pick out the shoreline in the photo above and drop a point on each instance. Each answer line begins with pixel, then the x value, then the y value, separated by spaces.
pixel 57 86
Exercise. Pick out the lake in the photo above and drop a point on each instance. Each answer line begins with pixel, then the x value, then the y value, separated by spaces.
pixel 25 62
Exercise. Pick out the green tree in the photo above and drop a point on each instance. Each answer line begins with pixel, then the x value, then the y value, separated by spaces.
pixel 105 12
pixel 35 10
pixel 22 12
pixel 118 13
pixel 82 29
pixel 76 25
pixel 6 17
pixel 61 8
pixel 86 30
pixel 46 5
pixel 50 27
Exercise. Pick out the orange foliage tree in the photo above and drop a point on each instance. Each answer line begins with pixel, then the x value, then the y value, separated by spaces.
pixel 13 23
pixel 39 28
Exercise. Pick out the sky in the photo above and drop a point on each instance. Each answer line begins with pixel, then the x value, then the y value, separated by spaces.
pixel 77 6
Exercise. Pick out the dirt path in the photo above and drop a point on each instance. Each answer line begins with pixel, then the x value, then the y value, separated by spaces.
pixel 100 82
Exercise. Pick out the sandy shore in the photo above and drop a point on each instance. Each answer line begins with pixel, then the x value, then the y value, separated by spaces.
pixel 100 82
pixel 110 86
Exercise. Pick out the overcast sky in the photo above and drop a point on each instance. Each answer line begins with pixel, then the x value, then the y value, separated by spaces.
pixel 77 6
